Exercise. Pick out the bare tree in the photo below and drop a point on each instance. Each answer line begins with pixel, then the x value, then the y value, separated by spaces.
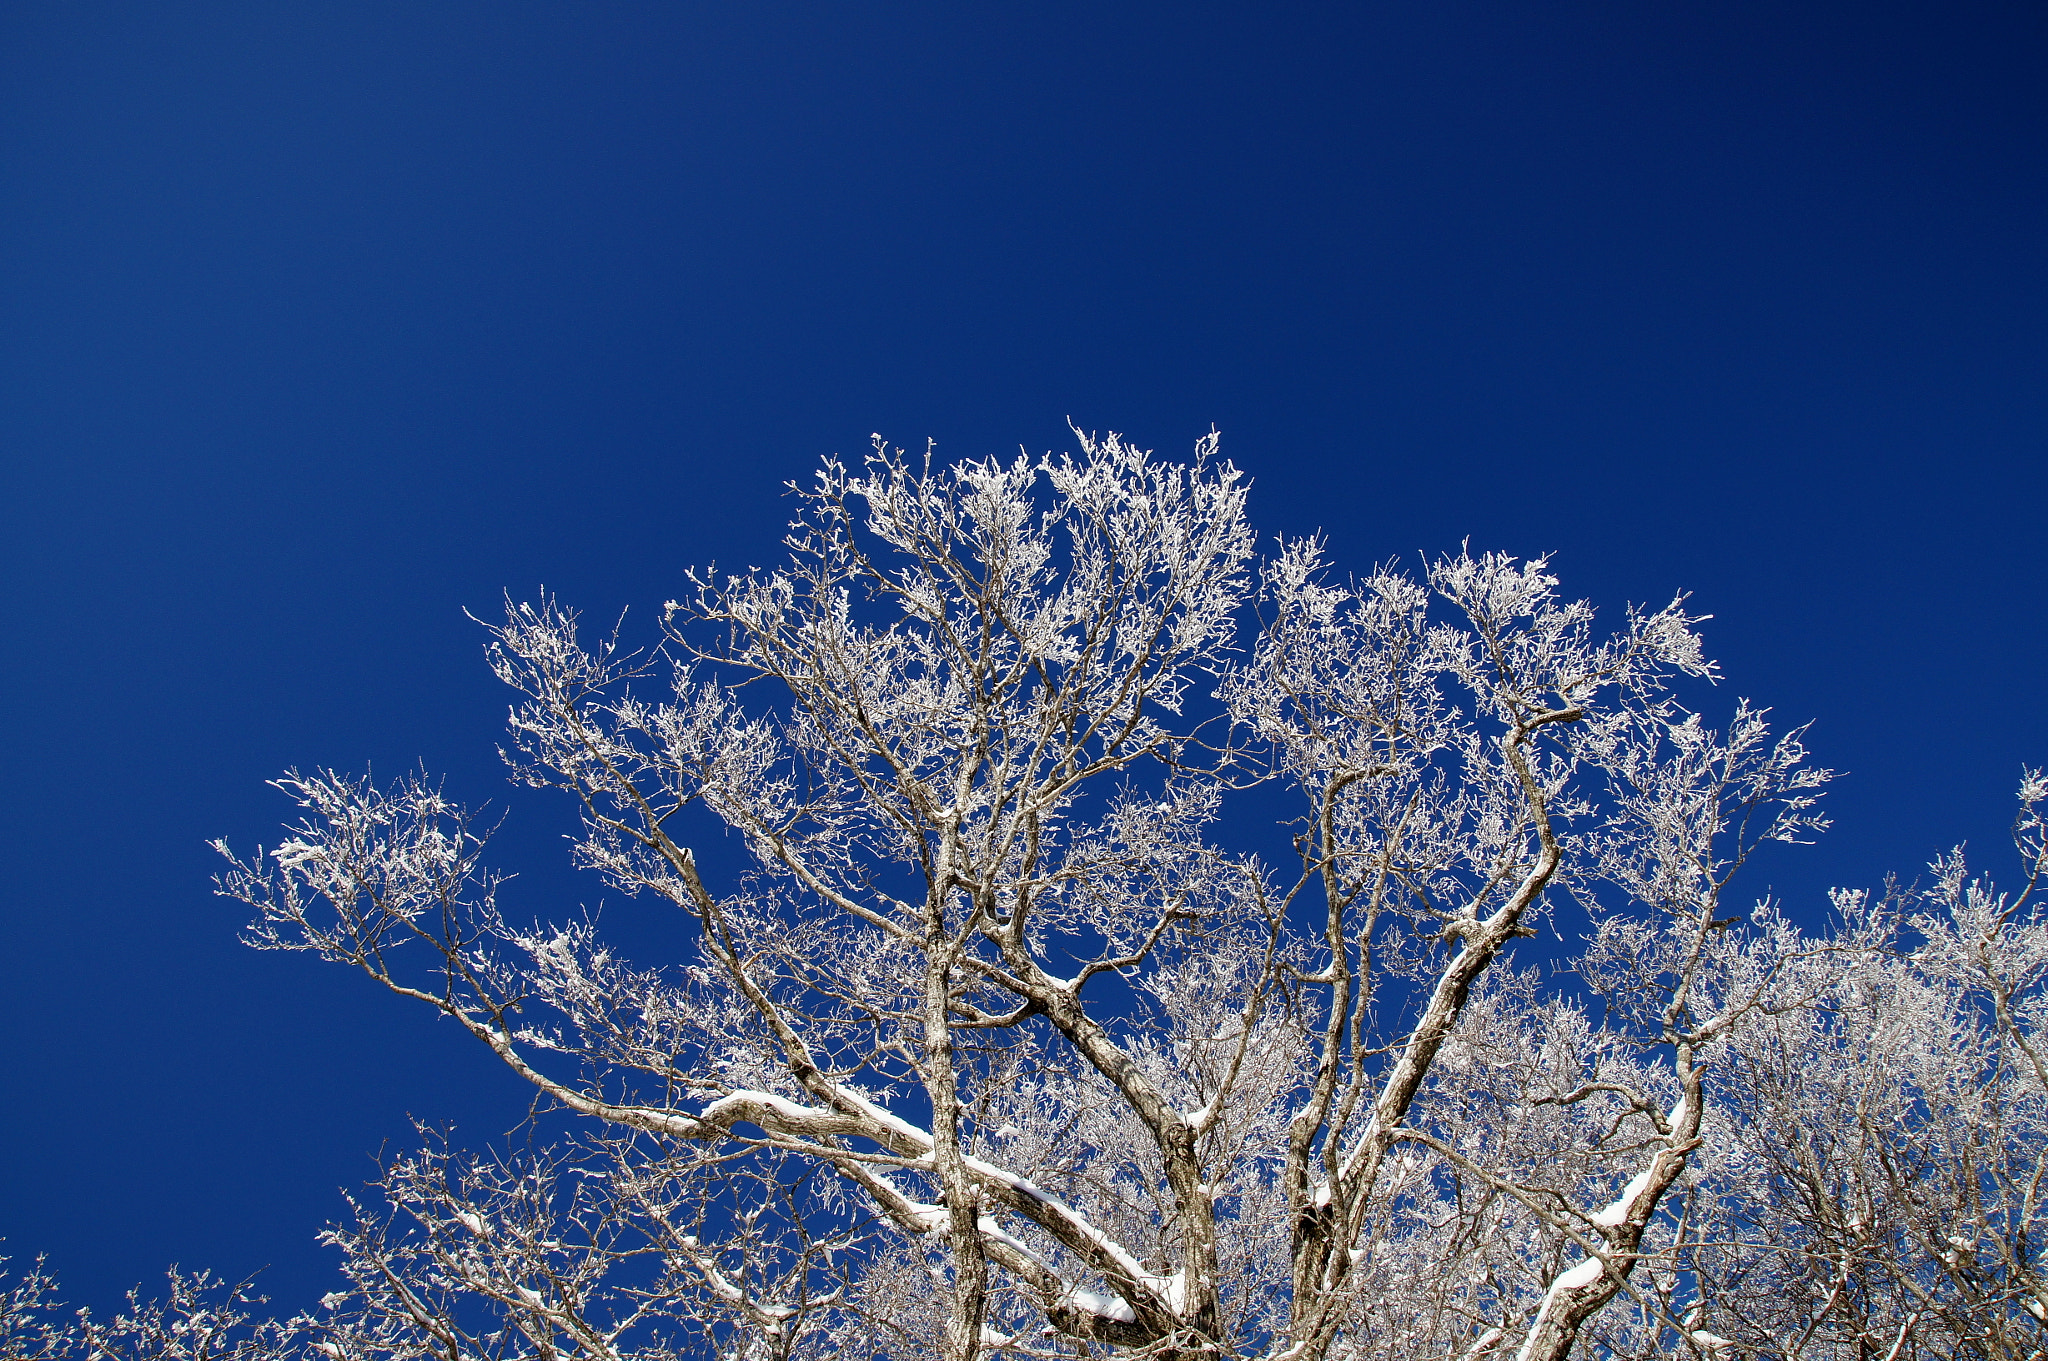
pixel 1896 1132
pixel 1010 1041
pixel 32 1326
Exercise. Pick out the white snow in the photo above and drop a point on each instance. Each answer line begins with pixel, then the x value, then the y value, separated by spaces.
pixel 720 1286
pixel 1102 1306
pixel 1173 1289
pixel 1618 1211
pixel 981 1167
pixel 994 1230
pixel 1585 1273
pixel 1484 1343
pixel 1024 1187
pixel 780 1104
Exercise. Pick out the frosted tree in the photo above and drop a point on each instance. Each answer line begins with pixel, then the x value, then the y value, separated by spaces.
pixel 1892 1138
pixel 1020 1035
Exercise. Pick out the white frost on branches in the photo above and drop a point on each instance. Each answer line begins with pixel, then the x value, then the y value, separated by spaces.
pixel 1010 1041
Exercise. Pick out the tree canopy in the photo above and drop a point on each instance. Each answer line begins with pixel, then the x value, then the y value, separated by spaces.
pixel 1152 946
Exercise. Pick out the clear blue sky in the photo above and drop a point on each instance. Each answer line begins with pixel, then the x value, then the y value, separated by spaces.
pixel 321 322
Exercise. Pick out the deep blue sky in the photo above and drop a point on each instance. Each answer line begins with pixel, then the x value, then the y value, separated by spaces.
pixel 321 322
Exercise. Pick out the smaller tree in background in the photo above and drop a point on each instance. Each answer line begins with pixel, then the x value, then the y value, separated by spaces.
pixel 1894 1134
